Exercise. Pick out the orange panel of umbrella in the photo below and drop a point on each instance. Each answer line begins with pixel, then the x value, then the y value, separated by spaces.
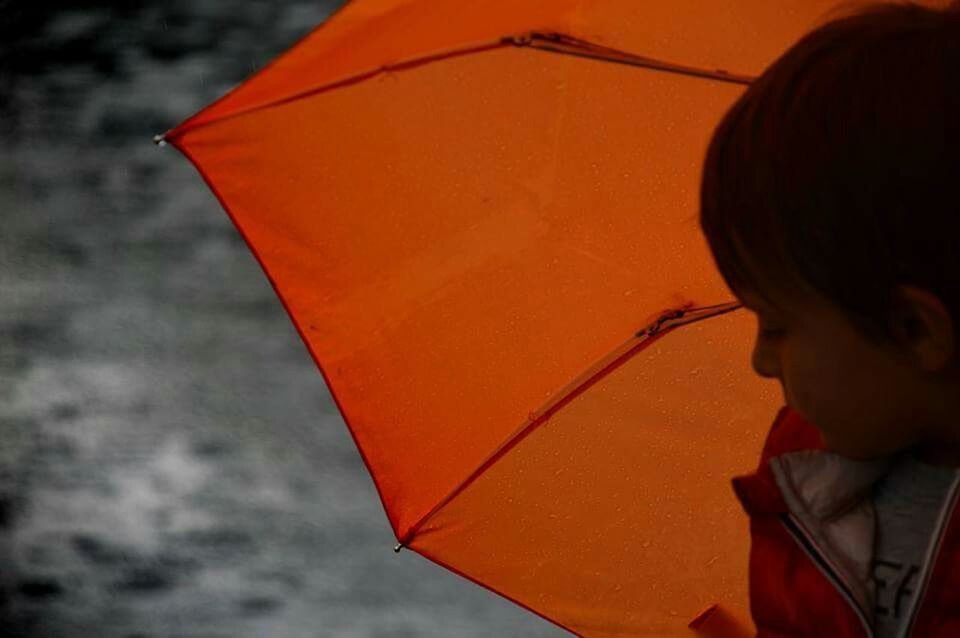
pixel 482 220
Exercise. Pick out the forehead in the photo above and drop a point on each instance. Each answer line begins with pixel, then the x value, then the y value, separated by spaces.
pixel 773 290
pixel 759 291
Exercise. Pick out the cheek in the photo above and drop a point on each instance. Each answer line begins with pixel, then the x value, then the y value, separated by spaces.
pixel 823 385
pixel 848 395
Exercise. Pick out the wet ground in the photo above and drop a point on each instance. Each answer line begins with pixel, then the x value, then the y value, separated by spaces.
pixel 171 462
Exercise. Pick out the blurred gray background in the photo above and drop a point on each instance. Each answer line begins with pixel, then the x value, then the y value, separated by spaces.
pixel 171 462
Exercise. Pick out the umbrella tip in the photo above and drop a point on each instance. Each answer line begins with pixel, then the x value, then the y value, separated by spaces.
pixel 398 547
pixel 159 140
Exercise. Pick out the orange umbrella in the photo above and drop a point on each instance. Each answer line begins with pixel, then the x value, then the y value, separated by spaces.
pixel 482 220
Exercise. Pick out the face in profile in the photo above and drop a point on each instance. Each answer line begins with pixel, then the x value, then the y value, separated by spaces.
pixel 859 395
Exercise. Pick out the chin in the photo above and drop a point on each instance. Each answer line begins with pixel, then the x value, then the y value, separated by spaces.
pixel 855 455
pixel 832 446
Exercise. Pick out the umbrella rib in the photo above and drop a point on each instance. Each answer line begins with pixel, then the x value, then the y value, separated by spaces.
pixel 561 43
pixel 334 84
pixel 688 315
pixel 666 322
pixel 546 41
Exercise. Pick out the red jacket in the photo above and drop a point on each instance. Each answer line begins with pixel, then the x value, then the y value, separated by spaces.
pixel 812 531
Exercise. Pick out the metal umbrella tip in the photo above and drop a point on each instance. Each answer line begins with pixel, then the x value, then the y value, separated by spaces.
pixel 159 140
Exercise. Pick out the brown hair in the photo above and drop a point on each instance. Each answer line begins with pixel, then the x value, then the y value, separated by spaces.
pixel 838 169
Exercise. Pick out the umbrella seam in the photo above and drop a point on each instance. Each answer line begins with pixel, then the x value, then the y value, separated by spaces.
pixel 300 331
pixel 561 43
pixel 545 41
pixel 161 139
pixel 516 601
pixel 344 81
pixel 672 319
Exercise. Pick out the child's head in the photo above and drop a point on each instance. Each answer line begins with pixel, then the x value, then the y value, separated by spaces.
pixel 831 188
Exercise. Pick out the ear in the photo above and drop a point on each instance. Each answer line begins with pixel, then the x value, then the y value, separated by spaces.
pixel 923 325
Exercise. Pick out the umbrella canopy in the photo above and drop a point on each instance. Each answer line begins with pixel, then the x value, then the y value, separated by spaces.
pixel 482 219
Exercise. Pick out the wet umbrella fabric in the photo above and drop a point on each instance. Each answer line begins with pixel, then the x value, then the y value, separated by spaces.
pixel 481 218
